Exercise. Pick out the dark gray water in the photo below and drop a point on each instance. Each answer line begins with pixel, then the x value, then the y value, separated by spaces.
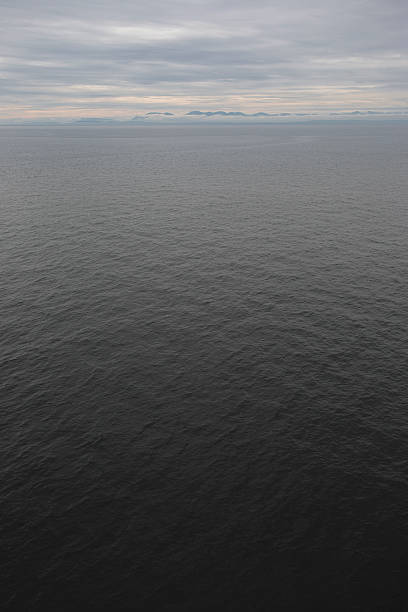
pixel 204 368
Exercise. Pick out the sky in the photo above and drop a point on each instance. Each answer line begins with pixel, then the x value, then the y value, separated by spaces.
pixel 105 58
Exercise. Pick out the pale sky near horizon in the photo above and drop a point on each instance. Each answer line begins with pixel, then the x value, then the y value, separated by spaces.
pixel 71 58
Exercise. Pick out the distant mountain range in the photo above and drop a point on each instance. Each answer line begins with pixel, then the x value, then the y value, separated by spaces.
pixel 197 113
pixel 224 115
pixel 156 113
pixel 227 115
pixel 220 114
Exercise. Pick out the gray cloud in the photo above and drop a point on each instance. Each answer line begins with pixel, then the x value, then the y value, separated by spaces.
pixel 71 57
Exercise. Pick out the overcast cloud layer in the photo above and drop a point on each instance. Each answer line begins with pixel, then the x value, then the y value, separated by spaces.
pixel 71 58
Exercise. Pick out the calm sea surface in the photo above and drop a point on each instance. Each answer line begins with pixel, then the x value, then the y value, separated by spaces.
pixel 203 346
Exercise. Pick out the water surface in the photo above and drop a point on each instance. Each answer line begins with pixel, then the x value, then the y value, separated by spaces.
pixel 203 349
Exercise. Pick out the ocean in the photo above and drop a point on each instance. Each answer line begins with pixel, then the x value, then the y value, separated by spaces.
pixel 203 347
